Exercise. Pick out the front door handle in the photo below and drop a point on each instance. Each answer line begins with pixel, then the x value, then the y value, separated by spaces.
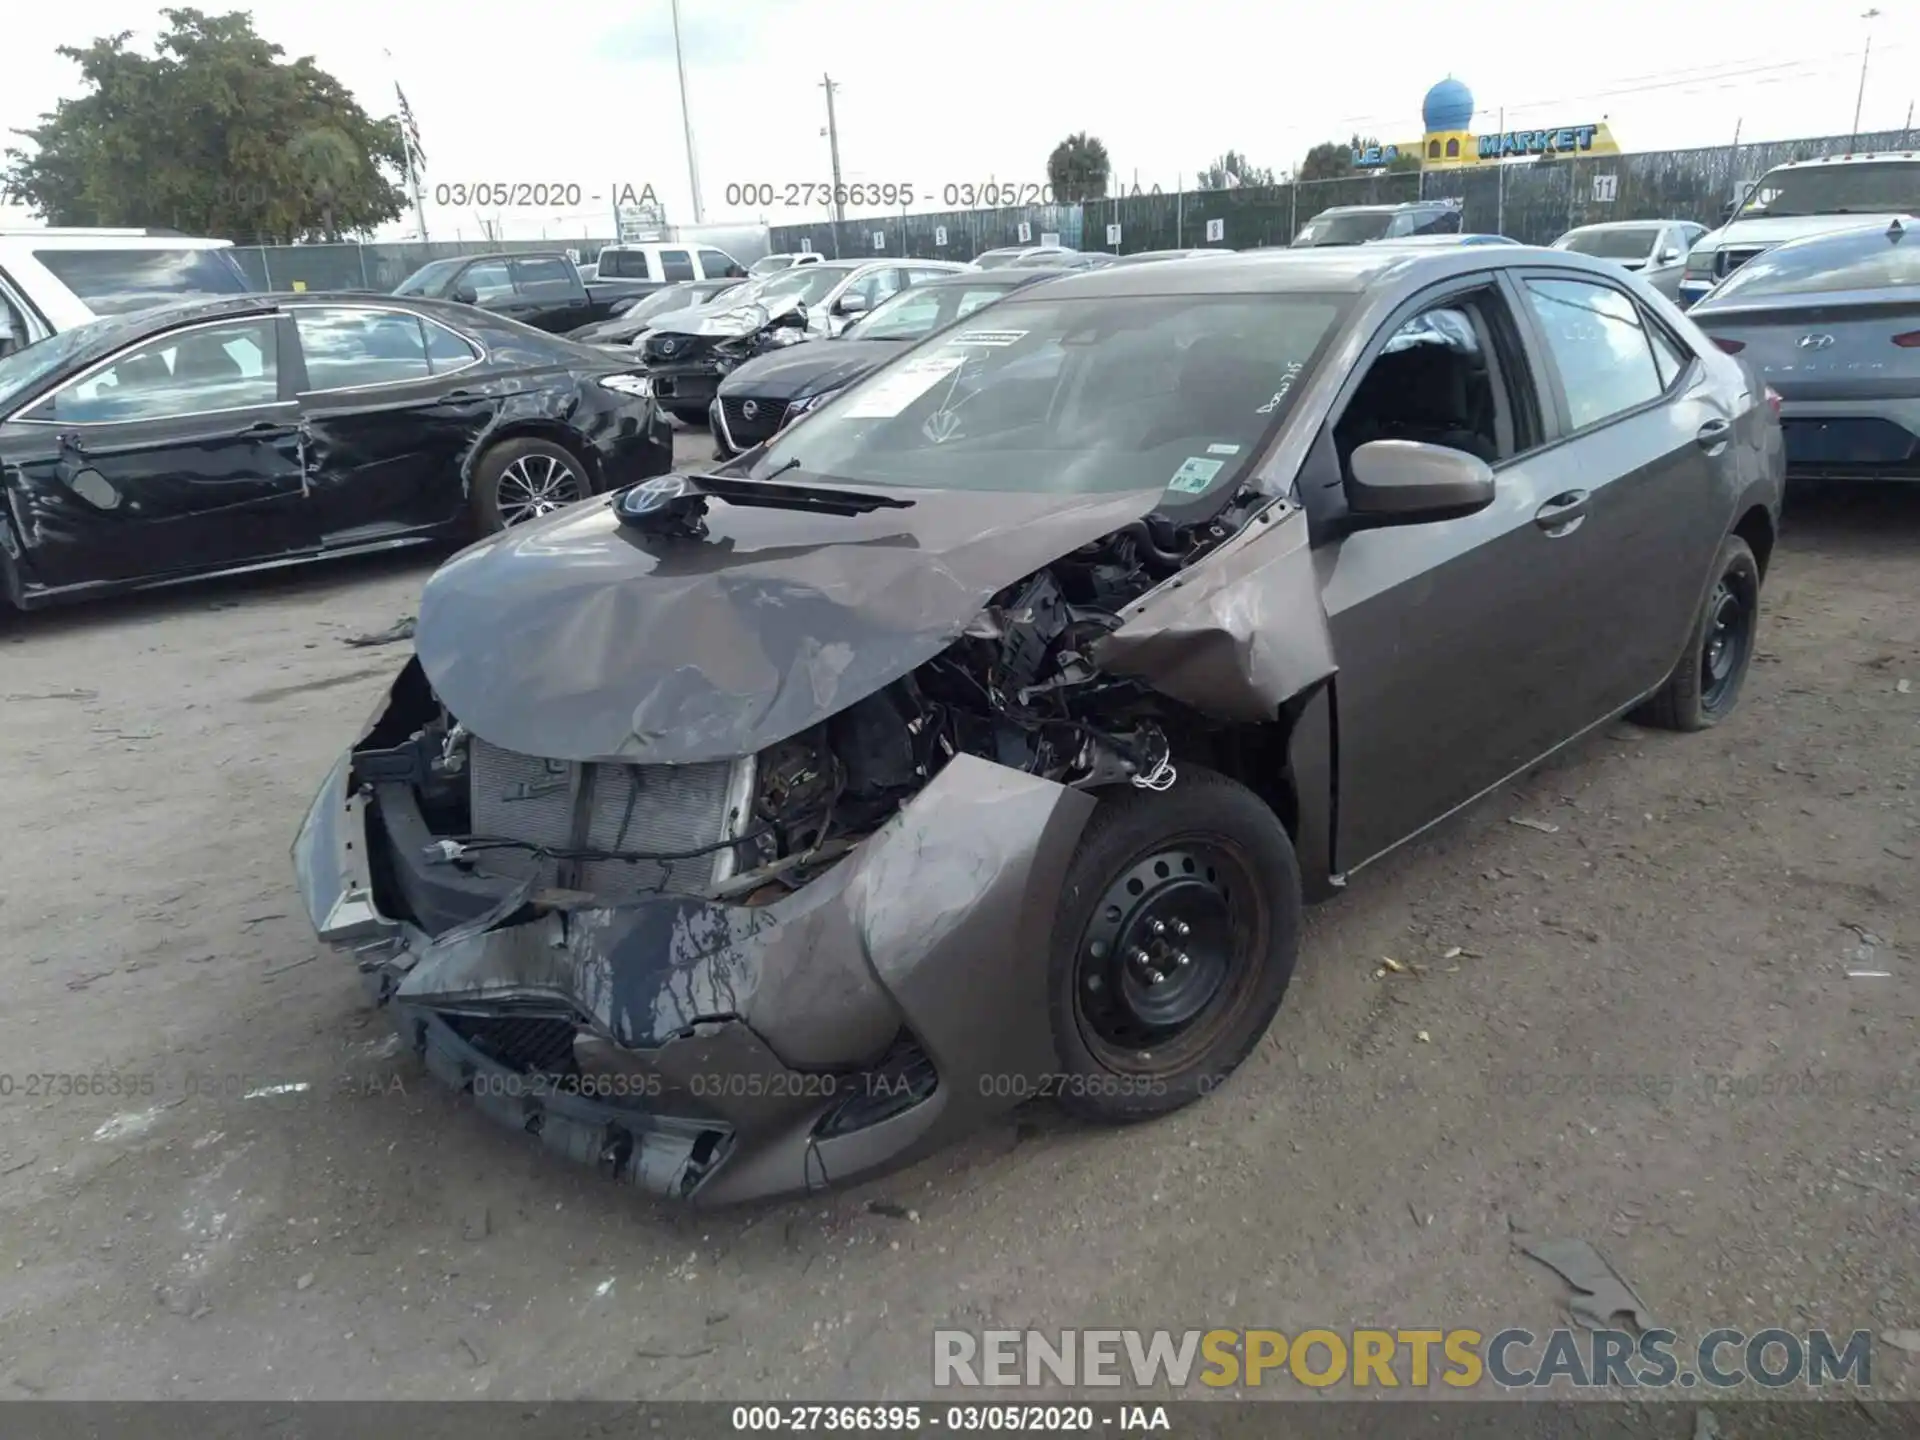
pixel 1563 513
pixel 1712 436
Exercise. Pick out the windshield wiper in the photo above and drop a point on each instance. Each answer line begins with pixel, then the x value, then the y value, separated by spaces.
pixel 796 497
pixel 792 464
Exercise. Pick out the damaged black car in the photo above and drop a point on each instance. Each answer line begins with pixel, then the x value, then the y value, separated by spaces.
pixel 981 736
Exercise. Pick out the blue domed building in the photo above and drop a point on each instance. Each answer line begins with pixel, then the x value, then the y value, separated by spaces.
pixel 1448 113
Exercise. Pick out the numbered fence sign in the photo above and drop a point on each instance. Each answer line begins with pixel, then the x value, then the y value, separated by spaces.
pixel 1026 233
pixel 806 245
pixel 1113 234
pixel 940 236
pixel 879 239
pixel 1216 230
pixel 1605 189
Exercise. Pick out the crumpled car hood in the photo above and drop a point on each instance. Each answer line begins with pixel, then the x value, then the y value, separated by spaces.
pixel 578 638
pixel 806 369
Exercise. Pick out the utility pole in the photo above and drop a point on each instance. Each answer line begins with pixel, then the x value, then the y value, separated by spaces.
pixel 686 116
pixel 833 149
pixel 1865 52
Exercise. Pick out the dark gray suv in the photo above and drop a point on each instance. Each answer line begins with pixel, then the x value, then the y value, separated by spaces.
pixel 1357 224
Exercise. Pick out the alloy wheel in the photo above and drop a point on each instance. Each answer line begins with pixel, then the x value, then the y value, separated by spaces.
pixel 536 485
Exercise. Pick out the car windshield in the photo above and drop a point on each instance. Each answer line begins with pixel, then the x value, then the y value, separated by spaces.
pixel 1629 244
pixel 994 259
pixel 914 313
pixel 1070 396
pixel 1869 259
pixel 770 265
pixel 1855 187
pixel 1351 228
pixel 810 284
pixel 429 277
pixel 118 282
pixel 665 302
pixel 25 369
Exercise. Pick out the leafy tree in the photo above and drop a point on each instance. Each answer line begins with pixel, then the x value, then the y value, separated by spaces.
pixel 1329 160
pixel 1234 169
pixel 1077 169
pixel 214 133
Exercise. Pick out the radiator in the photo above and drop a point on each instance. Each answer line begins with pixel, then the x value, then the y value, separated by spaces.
pixel 561 805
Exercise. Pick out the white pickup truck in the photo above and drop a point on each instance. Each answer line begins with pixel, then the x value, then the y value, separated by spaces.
pixel 1802 198
pixel 54 279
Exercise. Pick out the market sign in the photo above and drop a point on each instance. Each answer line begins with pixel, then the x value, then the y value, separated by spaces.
pixel 1566 140
pixel 1376 156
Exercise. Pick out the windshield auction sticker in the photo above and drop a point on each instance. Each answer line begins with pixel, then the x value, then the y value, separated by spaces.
pixel 899 388
pixel 995 338
pixel 1194 475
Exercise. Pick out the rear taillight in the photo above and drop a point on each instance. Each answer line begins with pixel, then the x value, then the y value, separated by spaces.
pixel 1773 401
pixel 1732 347
pixel 1908 341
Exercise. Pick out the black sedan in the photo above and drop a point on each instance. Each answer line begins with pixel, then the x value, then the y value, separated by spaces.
pixel 982 736
pixel 759 397
pixel 264 430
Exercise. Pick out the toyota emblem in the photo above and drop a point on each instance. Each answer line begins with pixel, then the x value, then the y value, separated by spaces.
pixel 1815 342
pixel 750 409
pixel 667 347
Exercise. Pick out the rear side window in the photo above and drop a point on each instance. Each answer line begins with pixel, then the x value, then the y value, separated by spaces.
pixel 676 265
pixel 190 372
pixel 446 351
pixel 1599 346
pixel 542 277
pixel 117 282
pixel 347 348
pixel 1668 358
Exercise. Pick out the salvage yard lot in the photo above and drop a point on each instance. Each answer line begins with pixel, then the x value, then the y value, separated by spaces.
pixel 1630 1021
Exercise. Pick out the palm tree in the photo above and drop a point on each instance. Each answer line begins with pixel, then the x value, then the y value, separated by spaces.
pixel 330 165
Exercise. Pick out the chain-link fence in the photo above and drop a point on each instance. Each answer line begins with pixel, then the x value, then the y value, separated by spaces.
pixel 1533 203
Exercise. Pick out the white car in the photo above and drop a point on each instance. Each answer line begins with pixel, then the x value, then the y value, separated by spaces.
pixel 53 279
pixel 1655 249
pixel 785 260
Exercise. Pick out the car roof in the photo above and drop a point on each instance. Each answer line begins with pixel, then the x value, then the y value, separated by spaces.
pixel 1848 159
pixel 1624 225
pixel 56 237
pixel 1333 269
pixel 1396 207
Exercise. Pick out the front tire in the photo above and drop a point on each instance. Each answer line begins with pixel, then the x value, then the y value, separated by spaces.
pixel 521 480
pixel 1199 887
pixel 1705 685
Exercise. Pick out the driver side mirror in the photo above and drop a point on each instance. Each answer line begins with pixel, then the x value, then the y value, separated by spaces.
pixel 1668 256
pixel 852 304
pixel 1398 482
pixel 464 294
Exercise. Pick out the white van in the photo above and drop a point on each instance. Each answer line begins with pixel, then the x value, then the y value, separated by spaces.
pixel 667 262
pixel 53 279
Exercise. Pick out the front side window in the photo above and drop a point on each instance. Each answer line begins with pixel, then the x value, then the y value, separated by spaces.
pixel 542 277
pixel 188 372
pixel 117 282
pixel 875 287
pixel 1856 187
pixel 348 348
pixel 1075 396
pixel 428 279
pixel 1854 260
pixel 1599 346
pixel 714 264
pixel 489 280
pixel 676 265
pixel 1432 382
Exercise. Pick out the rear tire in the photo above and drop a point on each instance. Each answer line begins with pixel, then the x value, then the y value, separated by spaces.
pixel 1203 871
pixel 1705 686
pixel 520 480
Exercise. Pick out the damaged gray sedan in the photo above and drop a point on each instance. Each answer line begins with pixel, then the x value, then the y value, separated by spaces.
pixel 981 736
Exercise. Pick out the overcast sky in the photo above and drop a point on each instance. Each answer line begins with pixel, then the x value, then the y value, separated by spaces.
pixel 936 95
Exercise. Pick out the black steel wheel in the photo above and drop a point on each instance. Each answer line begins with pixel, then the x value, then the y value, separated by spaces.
pixel 1173 946
pixel 1705 686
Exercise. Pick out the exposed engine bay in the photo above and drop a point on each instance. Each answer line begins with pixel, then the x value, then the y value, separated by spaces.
pixel 1021 687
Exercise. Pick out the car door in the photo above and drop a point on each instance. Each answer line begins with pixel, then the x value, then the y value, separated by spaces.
pixel 547 294
pixel 1461 642
pixel 1649 438
pixel 180 453
pixel 392 406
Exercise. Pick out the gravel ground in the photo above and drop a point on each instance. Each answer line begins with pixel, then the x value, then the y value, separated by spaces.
pixel 278 1205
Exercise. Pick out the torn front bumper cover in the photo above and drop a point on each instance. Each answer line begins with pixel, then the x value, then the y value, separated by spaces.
pixel 851 1026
